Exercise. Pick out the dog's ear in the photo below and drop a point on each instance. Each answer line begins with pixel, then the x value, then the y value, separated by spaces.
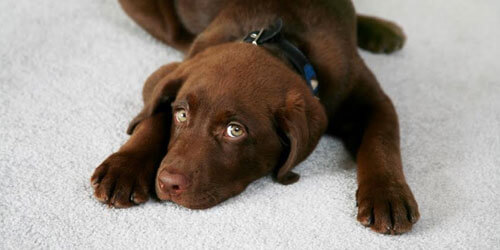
pixel 159 91
pixel 302 122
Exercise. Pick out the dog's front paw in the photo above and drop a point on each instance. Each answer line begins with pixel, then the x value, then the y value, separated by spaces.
pixel 123 180
pixel 388 208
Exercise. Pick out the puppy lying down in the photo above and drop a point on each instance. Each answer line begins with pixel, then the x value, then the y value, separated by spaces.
pixel 261 82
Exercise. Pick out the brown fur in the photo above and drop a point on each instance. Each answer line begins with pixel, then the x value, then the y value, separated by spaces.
pixel 223 80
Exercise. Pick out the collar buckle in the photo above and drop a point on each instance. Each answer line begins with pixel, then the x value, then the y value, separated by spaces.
pixel 256 37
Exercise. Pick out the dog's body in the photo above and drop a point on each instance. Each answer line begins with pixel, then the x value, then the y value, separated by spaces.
pixel 241 112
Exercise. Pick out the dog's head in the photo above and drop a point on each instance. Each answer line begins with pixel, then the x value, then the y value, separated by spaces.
pixel 237 114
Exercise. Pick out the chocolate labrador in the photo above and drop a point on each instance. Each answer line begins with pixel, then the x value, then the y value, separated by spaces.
pixel 261 82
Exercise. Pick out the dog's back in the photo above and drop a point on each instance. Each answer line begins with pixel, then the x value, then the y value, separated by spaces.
pixel 178 23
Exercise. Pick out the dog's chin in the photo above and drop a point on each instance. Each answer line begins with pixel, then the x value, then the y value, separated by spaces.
pixel 196 206
pixel 190 201
pixel 202 203
pixel 203 200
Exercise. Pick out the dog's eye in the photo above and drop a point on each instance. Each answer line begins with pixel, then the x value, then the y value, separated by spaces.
pixel 234 130
pixel 181 115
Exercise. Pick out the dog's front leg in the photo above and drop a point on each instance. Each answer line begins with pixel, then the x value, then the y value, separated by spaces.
pixel 385 202
pixel 364 117
pixel 127 177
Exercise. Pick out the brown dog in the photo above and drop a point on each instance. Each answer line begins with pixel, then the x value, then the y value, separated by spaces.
pixel 233 112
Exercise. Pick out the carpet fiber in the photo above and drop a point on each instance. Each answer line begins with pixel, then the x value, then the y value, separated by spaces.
pixel 70 80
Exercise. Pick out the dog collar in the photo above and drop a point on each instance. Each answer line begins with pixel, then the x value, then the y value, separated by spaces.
pixel 299 61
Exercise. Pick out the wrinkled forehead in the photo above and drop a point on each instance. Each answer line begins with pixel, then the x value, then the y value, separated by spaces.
pixel 240 72
pixel 217 88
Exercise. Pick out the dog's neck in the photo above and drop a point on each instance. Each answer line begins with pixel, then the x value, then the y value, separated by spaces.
pixel 278 45
pixel 279 41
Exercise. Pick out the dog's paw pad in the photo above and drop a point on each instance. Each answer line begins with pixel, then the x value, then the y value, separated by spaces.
pixel 390 210
pixel 122 181
pixel 380 36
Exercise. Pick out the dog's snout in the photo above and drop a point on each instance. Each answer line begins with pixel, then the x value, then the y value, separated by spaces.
pixel 173 183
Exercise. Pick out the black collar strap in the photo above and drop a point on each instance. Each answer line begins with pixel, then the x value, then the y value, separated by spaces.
pixel 273 35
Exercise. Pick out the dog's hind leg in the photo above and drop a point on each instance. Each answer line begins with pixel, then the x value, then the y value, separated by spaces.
pixel 160 20
pixel 379 35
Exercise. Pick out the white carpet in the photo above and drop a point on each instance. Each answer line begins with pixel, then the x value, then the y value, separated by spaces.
pixel 71 73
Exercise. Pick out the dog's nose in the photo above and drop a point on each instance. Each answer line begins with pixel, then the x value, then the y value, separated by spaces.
pixel 173 183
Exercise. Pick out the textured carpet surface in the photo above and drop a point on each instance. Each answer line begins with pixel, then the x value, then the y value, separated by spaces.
pixel 71 73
